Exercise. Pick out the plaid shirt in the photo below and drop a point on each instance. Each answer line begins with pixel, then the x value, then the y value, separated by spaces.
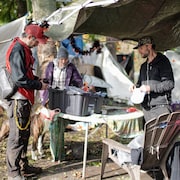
pixel 71 75
pixel 59 78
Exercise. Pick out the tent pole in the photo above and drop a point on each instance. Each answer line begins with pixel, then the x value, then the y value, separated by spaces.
pixel 5 41
pixel 102 3
pixel 80 7
pixel 88 3
pixel 53 14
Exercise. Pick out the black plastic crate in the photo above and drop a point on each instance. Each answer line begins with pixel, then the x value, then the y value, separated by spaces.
pixel 95 103
pixel 71 100
pixel 57 99
pixel 98 104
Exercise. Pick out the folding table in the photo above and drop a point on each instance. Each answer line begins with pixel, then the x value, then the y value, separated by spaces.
pixel 99 119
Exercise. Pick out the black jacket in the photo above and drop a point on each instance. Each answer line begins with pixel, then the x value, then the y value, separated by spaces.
pixel 158 75
pixel 18 69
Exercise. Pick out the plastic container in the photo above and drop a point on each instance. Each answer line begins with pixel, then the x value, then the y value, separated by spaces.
pixel 76 102
pixel 57 99
pixel 98 104
pixel 95 103
pixel 91 106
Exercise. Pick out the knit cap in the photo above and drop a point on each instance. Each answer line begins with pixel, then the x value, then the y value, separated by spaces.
pixel 62 53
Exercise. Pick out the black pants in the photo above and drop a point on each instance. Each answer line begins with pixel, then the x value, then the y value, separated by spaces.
pixel 19 113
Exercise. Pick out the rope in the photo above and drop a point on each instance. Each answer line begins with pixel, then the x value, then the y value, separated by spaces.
pixel 16 118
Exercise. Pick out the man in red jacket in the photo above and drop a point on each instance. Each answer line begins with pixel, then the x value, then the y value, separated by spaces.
pixel 19 62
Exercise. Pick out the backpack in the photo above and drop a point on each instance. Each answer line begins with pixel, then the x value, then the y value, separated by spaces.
pixel 7 86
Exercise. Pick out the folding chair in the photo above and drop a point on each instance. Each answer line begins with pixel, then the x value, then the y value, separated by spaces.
pixel 160 136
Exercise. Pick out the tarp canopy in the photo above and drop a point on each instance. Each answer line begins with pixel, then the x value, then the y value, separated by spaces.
pixel 117 85
pixel 122 19
pixel 7 33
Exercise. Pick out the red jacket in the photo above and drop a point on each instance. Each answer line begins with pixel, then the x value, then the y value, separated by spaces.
pixel 19 62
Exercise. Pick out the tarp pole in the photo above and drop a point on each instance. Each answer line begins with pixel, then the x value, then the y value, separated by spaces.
pixel 88 3
pixel 80 7
pixel 5 41
pixel 53 14
pixel 102 3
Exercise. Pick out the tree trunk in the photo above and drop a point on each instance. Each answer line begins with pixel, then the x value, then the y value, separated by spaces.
pixel 21 8
pixel 42 9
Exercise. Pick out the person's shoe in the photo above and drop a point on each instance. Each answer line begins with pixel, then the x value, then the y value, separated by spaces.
pixel 31 171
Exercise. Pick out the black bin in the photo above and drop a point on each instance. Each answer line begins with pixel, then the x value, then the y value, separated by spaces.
pixel 98 104
pixel 95 103
pixel 57 99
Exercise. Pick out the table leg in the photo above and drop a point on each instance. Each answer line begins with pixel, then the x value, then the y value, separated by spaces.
pixel 85 151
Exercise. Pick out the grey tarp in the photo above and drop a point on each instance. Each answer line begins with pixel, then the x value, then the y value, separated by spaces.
pixel 7 33
pixel 15 28
pixel 124 19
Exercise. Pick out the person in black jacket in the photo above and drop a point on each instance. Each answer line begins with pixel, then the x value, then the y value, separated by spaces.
pixel 19 62
pixel 156 79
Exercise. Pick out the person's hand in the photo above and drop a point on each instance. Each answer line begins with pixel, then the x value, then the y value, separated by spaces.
pixel 132 87
pixel 145 88
pixel 44 85
pixel 85 87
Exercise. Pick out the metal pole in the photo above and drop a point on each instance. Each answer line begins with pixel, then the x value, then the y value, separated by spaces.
pixel 88 3
pixel 5 41
pixel 73 12
pixel 85 150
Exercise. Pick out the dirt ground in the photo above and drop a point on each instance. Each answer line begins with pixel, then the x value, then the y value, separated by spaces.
pixel 71 168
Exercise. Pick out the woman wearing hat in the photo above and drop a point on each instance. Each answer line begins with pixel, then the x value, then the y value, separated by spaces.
pixel 60 74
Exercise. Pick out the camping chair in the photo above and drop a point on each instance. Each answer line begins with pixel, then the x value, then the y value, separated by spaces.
pixel 160 136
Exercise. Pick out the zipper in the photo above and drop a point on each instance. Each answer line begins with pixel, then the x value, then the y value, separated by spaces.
pixel 147 83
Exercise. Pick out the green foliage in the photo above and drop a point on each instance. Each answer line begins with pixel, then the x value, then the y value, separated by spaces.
pixel 95 163
pixel 12 9
pixel 8 11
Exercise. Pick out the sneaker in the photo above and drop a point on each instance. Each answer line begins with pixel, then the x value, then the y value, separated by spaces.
pixel 31 171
